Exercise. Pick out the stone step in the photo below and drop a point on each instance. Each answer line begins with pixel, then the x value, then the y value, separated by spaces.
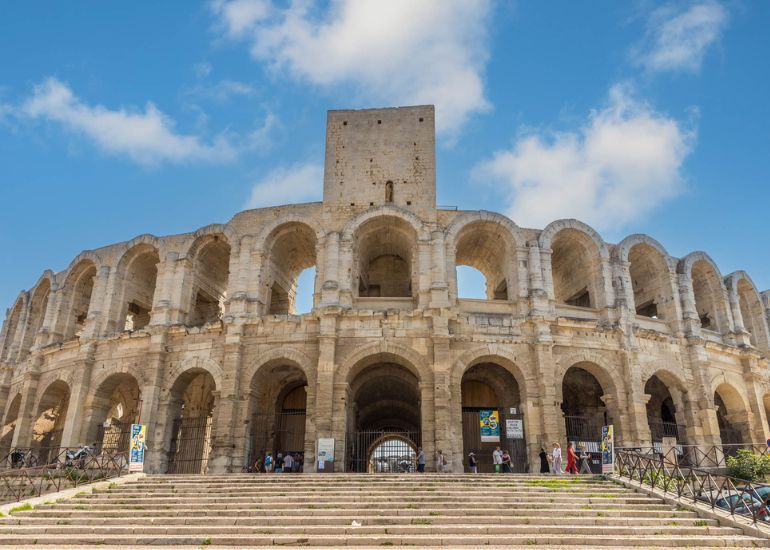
pixel 379 530
pixel 599 518
pixel 397 499
pixel 586 541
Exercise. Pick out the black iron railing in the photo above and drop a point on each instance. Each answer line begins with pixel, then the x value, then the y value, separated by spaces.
pixel 696 485
pixel 706 457
pixel 20 483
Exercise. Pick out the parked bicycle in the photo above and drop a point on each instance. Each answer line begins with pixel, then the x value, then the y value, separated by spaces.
pixel 21 458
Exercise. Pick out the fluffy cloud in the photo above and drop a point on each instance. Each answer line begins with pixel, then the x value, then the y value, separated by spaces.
pixel 146 137
pixel 677 39
pixel 624 161
pixel 300 183
pixel 390 53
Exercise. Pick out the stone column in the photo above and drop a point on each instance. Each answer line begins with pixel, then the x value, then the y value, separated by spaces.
pixel 151 413
pixel 94 325
pixel 439 290
pixel 330 290
pixel 22 435
pixel 227 454
pixel 75 426
pixel 329 421
pixel 551 416
pixel 347 273
pixel 428 422
pixel 423 260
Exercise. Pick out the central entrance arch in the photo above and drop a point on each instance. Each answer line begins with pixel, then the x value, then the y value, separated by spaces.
pixel 383 414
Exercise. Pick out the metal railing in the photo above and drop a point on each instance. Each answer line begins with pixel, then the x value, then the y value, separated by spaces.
pixel 20 483
pixel 736 496
pixel 707 457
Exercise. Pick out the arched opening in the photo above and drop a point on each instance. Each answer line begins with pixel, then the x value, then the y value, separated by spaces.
pixel 114 406
pixel 651 283
pixel 752 313
pixel 707 289
pixel 81 283
pixel 487 247
pixel 385 258
pixel 576 268
pixel 389 192
pixel 192 408
pixel 292 250
pixel 662 414
pixel 38 306
pixel 8 428
pixel 583 407
pixel 138 272
pixel 392 454
pixel 278 406
pixel 383 403
pixel 491 403
pixel 49 421
pixel 734 428
pixel 12 326
pixel 211 272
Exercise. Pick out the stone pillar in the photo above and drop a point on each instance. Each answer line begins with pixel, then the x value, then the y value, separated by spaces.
pixel 17 343
pixel 227 454
pixel 151 413
pixel 55 317
pixel 635 429
pixel 329 420
pixel 439 290
pixel 330 290
pixel 22 436
pixel 94 325
pixel 428 422
pixel 423 261
pixel 346 274
pixel 75 426
pixel 540 290
pixel 552 426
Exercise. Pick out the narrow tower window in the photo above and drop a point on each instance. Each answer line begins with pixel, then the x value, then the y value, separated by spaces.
pixel 389 191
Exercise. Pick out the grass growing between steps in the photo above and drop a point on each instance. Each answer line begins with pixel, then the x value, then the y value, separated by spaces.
pixel 555 483
pixel 22 508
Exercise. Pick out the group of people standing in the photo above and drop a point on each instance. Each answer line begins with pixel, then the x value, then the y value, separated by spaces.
pixel 553 464
pixel 440 460
pixel 282 463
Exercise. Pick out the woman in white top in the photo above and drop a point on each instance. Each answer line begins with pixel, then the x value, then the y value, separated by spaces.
pixel 556 464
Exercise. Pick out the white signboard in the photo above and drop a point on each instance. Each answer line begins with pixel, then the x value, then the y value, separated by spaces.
pixel 325 454
pixel 514 429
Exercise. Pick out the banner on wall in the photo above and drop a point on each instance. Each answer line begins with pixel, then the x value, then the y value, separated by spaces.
pixel 608 449
pixel 136 450
pixel 325 454
pixel 489 422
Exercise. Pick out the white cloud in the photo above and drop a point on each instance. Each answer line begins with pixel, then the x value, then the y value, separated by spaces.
pixel 299 183
pixel 623 162
pixel 677 40
pixel 389 53
pixel 146 137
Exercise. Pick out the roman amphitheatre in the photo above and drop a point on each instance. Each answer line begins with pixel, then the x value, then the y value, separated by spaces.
pixel 197 336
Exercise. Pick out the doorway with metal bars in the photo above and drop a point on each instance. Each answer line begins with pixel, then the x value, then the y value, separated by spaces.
pixel 584 412
pixel 384 417
pixel 192 411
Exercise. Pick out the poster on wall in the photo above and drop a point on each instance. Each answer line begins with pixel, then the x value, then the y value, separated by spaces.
pixel 136 450
pixel 514 429
pixel 489 422
pixel 608 449
pixel 325 454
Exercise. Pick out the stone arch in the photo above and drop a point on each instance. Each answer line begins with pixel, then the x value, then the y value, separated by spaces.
pixel 289 249
pixel 260 242
pixel 111 408
pixel 708 291
pixel 196 363
pixel 651 275
pixel 497 354
pixel 50 415
pixel 13 323
pixel 136 277
pixel 668 406
pixel 8 425
pixel 197 240
pixel 283 354
pixel 383 351
pixel 388 210
pixel 744 293
pixel 210 254
pixel 38 306
pixel 474 239
pixel 78 289
pixel 733 414
pixel 161 245
pixel 578 264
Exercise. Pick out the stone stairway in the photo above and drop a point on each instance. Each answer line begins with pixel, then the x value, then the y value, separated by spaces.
pixel 367 511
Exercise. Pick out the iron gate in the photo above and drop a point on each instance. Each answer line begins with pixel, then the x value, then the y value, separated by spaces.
pixel 517 448
pixel 283 432
pixel 114 438
pixel 190 445
pixel 382 451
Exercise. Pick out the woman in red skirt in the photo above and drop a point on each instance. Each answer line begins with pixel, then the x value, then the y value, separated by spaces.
pixel 571 459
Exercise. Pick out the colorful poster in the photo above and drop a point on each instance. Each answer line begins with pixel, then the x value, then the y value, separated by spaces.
pixel 136 451
pixel 489 421
pixel 608 449
pixel 325 454
pixel 514 429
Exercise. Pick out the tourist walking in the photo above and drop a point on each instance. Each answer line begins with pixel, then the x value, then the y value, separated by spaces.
pixel 258 466
pixel 268 463
pixel 585 461
pixel 420 460
pixel 507 465
pixel 556 462
pixel 472 463
pixel 497 459
pixel 279 462
pixel 571 459
pixel 545 468
pixel 440 461
pixel 288 462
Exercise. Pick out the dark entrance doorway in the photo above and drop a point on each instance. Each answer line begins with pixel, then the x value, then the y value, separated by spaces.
pixel 490 387
pixel 384 414
pixel 583 408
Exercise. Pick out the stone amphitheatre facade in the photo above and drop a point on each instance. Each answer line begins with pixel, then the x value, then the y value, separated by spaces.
pixel 196 336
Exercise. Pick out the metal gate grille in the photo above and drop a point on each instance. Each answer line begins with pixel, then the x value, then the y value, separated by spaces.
pixel 113 438
pixel 283 432
pixel 517 448
pixel 190 445
pixel 586 432
pixel 382 451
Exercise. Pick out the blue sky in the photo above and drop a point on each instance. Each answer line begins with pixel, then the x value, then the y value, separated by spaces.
pixel 117 120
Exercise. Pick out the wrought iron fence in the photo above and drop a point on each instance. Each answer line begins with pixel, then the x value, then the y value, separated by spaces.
pixel 190 445
pixel 382 451
pixel 690 484
pixel 20 483
pixel 707 457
